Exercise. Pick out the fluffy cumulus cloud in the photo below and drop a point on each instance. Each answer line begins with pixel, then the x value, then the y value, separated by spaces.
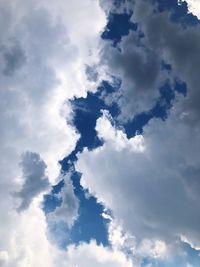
pixel 138 61
pixel 151 181
pixel 93 255
pixel 158 200
pixel 124 241
pixel 43 53
pixel 194 7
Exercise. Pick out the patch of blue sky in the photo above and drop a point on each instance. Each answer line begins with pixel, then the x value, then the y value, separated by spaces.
pixel 87 111
pixel 90 223
pixel 179 12
pixel 51 201
pixel 192 256
pixel 118 26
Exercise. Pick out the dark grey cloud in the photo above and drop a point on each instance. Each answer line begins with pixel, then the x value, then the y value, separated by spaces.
pixel 137 61
pixel 139 69
pixel 180 46
pixel 138 65
pixel 35 179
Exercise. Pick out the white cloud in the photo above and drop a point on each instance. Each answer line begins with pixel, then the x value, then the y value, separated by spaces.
pixel 43 51
pixel 93 255
pixel 3 256
pixel 155 249
pixel 154 191
pixel 194 7
pixel 118 138
pixel 127 243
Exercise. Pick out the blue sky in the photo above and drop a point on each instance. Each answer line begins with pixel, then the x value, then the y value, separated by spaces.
pixel 100 133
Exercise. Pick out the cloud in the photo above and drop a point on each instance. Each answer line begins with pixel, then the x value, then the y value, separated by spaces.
pixel 154 190
pixel 93 255
pixel 160 181
pixel 194 8
pixel 67 212
pixel 139 68
pixel 14 58
pixel 138 61
pixel 43 54
pixel 178 46
pixel 117 7
pixel 121 240
pixel 137 64
pixel 35 179
pixel 3 256
pixel 151 181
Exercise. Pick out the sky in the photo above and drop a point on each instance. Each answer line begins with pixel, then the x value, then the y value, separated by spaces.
pixel 100 133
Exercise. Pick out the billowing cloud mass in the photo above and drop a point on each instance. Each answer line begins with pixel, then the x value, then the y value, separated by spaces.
pixel 138 61
pixel 52 51
pixel 151 181
pixel 159 200
pixel 92 255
